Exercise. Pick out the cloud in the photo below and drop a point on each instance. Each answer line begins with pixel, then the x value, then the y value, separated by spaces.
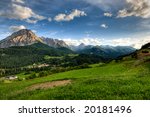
pixel 19 12
pixel 86 41
pixel 138 8
pixel 16 28
pixel 108 14
pixel 18 1
pixel 135 42
pixel 104 26
pixel 69 17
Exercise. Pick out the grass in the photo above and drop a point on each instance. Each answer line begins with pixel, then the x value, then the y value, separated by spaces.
pixel 121 80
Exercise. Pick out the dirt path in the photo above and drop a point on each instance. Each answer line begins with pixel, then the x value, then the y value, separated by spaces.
pixel 48 85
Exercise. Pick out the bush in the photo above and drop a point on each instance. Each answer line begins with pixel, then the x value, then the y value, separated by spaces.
pixel 42 74
pixel 32 76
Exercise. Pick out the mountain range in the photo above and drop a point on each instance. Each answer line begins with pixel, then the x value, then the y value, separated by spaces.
pixel 26 37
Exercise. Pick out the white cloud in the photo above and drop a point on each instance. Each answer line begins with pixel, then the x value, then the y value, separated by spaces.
pixel 135 42
pixel 60 17
pixel 16 28
pixel 19 12
pixel 86 41
pixel 108 14
pixel 18 1
pixel 138 8
pixel 69 17
pixel 104 26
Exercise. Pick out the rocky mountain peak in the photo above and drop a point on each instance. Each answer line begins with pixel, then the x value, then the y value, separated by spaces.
pixel 54 42
pixel 21 38
pixel 27 37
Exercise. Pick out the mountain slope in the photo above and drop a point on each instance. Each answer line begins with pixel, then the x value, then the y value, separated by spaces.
pixel 146 46
pixel 21 38
pixel 26 55
pixel 141 56
pixel 107 51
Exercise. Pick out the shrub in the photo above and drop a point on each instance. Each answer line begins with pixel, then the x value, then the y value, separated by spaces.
pixel 32 76
pixel 42 74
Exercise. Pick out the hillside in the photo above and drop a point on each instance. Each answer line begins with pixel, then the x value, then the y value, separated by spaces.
pixel 25 55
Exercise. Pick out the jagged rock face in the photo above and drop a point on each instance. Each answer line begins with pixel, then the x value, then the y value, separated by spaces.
pixel 27 37
pixel 54 42
pixel 21 38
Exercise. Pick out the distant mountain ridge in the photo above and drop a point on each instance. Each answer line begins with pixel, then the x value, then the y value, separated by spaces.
pixel 54 42
pixel 107 51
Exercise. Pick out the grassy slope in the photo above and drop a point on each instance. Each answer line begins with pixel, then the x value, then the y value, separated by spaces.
pixel 124 80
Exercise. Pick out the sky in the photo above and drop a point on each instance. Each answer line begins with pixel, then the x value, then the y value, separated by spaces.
pixel 93 22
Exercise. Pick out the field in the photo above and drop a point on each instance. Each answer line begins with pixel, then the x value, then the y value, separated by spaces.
pixel 129 79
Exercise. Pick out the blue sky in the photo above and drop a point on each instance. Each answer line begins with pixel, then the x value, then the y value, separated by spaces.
pixel 96 22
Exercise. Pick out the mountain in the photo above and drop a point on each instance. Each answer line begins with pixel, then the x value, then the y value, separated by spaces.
pixel 107 51
pixel 54 42
pixel 80 47
pixel 21 38
pixel 27 37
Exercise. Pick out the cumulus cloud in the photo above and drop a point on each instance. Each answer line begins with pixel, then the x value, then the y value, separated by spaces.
pixel 108 14
pixel 138 8
pixel 104 26
pixel 16 28
pixel 69 17
pixel 19 12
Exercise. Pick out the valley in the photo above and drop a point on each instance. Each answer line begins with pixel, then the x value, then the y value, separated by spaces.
pixel 121 80
pixel 43 72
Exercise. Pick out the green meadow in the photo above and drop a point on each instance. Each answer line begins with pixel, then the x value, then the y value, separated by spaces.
pixel 124 80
